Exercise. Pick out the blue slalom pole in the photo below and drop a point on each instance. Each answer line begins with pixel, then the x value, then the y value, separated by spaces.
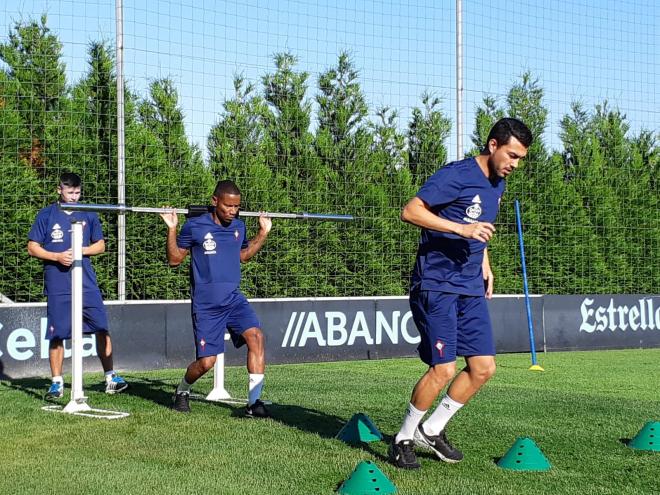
pixel 535 366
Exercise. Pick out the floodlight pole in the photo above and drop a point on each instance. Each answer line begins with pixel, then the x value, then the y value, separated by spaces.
pixel 459 79
pixel 121 156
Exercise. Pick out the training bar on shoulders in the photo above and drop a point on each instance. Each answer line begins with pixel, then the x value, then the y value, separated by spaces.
pixel 197 210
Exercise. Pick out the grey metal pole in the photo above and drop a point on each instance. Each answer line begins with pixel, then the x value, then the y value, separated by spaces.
pixel 122 209
pixel 459 79
pixel 121 159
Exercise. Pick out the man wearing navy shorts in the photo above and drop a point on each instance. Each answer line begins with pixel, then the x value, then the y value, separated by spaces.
pixel 451 280
pixel 218 244
pixel 50 241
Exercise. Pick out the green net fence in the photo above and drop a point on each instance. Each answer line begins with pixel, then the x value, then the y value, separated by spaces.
pixel 336 107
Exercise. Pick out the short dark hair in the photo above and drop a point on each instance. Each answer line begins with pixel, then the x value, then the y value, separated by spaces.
pixel 69 179
pixel 507 127
pixel 226 187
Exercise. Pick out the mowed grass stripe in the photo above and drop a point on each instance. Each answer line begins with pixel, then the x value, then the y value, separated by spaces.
pixel 578 412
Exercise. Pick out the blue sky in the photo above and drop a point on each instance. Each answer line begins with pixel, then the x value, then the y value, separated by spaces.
pixel 586 50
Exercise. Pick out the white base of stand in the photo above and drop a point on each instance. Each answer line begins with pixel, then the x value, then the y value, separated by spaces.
pixel 221 395
pixel 218 394
pixel 81 408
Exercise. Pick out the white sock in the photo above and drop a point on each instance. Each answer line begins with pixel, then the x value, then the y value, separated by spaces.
pixel 184 386
pixel 255 384
pixel 108 375
pixel 410 421
pixel 58 379
pixel 441 416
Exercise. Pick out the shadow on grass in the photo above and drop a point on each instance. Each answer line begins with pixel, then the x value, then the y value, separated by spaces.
pixel 159 392
pixel 317 422
pixel 32 387
pixel 2 372
pixel 306 420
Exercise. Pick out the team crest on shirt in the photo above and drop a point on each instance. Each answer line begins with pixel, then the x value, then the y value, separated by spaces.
pixel 209 244
pixel 56 234
pixel 440 346
pixel 474 210
pixel 236 234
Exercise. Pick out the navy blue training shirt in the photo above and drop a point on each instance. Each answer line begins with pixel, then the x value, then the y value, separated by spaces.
pixel 216 262
pixel 459 192
pixel 52 230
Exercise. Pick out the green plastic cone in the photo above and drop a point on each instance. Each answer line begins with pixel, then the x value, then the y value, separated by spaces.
pixel 648 437
pixel 360 429
pixel 367 479
pixel 524 455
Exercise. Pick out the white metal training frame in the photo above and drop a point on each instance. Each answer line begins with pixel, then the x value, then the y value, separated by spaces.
pixel 78 403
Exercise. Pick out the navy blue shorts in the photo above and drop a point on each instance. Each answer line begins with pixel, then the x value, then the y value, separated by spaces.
pixel 451 325
pixel 58 312
pixel 210 323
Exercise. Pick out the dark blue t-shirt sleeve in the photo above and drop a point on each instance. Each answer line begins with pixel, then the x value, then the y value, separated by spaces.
pixel 442 187
pixel 244 244
pixel 38 231
pixel 95 229
pixel 185 239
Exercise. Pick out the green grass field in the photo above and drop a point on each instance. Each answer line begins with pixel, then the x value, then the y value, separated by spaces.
pixel 579 412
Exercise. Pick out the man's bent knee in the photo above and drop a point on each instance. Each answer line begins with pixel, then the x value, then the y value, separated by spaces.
pixel 482 371
pixel 254 338
pixel 206 362
pixel 442 373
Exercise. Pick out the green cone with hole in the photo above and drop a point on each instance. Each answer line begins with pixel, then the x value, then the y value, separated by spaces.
pixel 524 455
pixel 648 437
pixel 367 479
pixel 360 429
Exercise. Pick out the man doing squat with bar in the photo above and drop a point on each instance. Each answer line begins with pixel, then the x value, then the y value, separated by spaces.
pixel 218 244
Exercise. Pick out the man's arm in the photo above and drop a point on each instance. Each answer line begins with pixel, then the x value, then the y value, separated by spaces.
pixel 255 244
pixel 175 254
pixel 417 212
pixel 64 258
pixel 489 278
pixel 95 248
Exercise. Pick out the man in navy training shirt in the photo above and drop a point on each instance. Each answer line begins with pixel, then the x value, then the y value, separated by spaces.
pixel 218 243
pixel 50 241
pixel 450 283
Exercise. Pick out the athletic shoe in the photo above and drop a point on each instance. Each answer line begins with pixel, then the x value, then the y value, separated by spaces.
pixel 56 391
pixel 402 454
pixel 115 385
pixel 257 410
pixel 181 402
pixel 438 444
